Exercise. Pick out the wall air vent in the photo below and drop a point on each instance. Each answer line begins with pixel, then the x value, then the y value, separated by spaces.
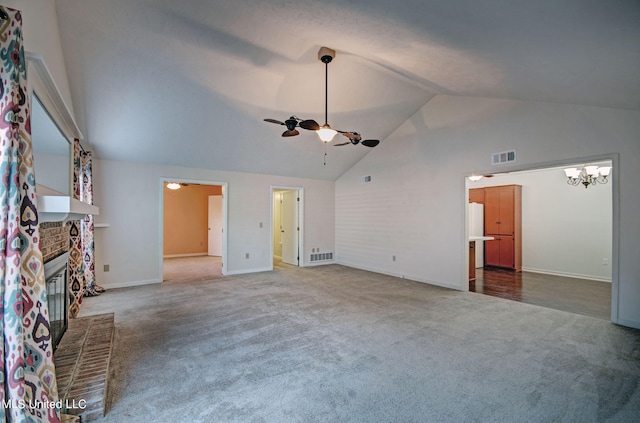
pixel 503 157
pixel 366 179
pixel 321 257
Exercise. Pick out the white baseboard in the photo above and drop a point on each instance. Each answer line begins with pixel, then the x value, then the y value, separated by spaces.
pixel 241 272
pixel 130 284
pixel 185 255
pixel 318 263
pixel 628 323
pixel 401 276
pixel 566 274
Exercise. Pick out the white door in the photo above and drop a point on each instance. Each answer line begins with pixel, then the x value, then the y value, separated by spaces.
pixel 277 225
pixel 290 227
pixel 215 225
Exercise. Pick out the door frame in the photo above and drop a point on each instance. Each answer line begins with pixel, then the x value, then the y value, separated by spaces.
pixel 209 232
pixel 615 209
pixel 225 190
pixel 275 188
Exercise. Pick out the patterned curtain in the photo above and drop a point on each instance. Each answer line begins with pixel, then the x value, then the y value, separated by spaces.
pixel 86 195
pixel 82 274
pixel 76 261
pixel 27 370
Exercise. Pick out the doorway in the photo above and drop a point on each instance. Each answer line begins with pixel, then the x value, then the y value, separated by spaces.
pixel 193 229
pixel 286 225
pixel 568 242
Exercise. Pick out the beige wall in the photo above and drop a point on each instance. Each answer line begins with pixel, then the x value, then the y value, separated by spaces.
pixel 186 219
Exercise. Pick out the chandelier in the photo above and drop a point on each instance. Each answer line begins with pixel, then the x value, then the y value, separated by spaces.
pixel 588 175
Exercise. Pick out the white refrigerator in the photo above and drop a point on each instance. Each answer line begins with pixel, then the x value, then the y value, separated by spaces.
pixel 476 228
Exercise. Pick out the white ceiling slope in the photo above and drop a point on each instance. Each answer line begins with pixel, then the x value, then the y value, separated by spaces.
pixel 188 83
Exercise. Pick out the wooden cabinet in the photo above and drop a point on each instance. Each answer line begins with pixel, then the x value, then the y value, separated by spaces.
pixel 500 252
pixel 476 195
pixel 499 210
pixel 503 221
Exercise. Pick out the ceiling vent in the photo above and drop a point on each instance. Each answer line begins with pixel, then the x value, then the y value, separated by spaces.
pixel 503 157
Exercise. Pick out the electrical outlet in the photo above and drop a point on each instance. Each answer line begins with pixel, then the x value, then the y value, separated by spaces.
pixel 106 267
pixel 605 261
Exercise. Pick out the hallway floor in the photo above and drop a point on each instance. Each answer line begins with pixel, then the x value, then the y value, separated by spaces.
pixel 191 268
pixel 580 296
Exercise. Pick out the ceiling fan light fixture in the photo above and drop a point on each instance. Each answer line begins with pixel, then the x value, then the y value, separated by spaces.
pixel 326 133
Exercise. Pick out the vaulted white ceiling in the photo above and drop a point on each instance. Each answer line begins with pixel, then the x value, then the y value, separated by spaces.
pixel 189 83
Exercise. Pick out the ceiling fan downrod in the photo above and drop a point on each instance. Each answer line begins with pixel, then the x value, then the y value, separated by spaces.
pixel 326 132
pixel 326 59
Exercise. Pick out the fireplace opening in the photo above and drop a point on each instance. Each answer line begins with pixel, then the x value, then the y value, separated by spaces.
pixel 56 275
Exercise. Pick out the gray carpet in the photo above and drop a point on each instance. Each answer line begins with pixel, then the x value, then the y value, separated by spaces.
pixel 334 344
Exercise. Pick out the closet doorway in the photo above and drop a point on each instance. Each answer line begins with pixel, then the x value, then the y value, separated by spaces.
pixel 286 225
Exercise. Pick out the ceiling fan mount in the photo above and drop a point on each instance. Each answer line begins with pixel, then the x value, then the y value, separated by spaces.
pixel 326 55
pixel 325 132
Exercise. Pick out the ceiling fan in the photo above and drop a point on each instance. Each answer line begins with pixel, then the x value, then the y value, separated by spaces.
pixel 292 123
pixel 325 132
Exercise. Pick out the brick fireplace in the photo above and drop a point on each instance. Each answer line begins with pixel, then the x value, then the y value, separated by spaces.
pixel 54 239
pixel 82 357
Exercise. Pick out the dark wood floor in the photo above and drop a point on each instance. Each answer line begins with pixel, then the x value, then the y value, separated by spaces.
pixel 580 296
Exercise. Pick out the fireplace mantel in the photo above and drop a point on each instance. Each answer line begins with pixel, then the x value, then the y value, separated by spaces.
pixel 54 206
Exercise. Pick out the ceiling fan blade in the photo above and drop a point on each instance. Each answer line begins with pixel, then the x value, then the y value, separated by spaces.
pixel 274 121
pixel 288 133
pixel 353 136
pixel 342 143
pixel 370 143
pixel 309 124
